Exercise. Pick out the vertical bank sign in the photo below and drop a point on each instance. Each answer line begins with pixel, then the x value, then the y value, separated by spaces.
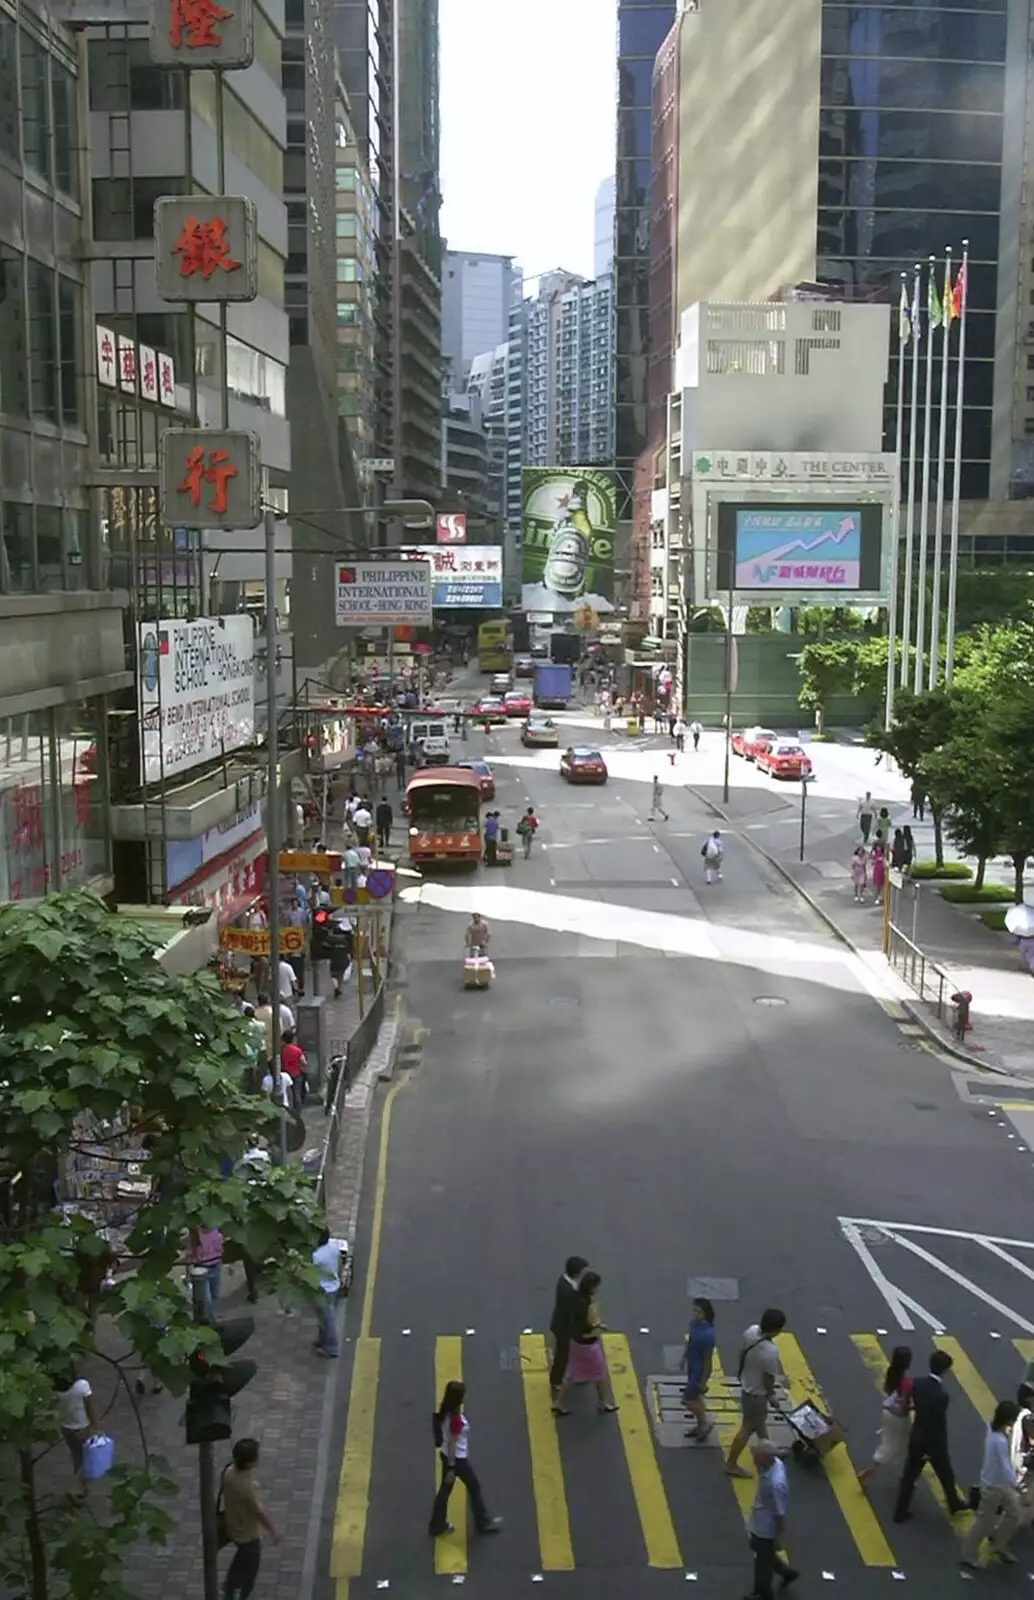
pixel 568 548
pixel 197 692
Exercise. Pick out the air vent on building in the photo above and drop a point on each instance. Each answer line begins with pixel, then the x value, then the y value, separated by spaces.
pixel 753 358
pixel 826 321
pixel 803 351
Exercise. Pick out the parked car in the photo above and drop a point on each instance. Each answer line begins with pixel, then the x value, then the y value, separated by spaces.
pixel 517 703
pixel 745 741
pixel 489 709
pixel 485 776
pixel 541 731
pixel 583 765
pixel 524 667
pixel 783 758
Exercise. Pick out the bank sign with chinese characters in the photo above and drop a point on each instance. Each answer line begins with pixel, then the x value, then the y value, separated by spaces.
pixel 197 692
pixel 463 575
pixel 382 593
pixel 801 466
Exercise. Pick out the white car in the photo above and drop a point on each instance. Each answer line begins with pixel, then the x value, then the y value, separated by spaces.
pixel 500 682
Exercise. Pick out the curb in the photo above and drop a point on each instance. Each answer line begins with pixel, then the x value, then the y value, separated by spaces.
pixel 911 1008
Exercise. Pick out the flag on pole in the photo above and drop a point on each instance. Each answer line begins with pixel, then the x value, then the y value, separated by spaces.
pixel 933 303
pixel 904 321
pixel 950 313
pixel 917 326
pixel 958 293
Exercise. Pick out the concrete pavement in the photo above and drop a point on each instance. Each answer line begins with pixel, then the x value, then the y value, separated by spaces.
pixel 693 1087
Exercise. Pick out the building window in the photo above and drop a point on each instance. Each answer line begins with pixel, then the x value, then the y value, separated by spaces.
pixel 14 388
pixel 52 801
pixel 68 299
pixel 17 560
pixel 270 274
pixel 66 169
pixel 8 88
pixel 43 347
pixel 35 122
pixel 117 65
pixel 267 46
pixel 123 208
pixel 345 225
pixel 348 271
pixel 344 177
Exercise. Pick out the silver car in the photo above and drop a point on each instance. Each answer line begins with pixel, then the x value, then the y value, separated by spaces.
pixel 541 731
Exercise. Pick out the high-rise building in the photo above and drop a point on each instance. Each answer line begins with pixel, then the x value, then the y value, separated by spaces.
pixel 568 372
pixel 603 239
pixel 477 290
pixel 467 473
pixel 497 377
pixel 356 272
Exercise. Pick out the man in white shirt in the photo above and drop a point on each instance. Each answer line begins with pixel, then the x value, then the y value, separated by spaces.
pixel 363 820
pixel 327 1258
pixel 287 980
pixel 713 851
pixel 767 1521
pixel 757 1372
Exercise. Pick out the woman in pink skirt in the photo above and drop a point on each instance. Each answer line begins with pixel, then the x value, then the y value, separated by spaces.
pixel 879 871
pixel 587 1362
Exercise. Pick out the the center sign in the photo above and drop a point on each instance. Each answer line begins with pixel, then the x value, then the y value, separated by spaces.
pixel 383 593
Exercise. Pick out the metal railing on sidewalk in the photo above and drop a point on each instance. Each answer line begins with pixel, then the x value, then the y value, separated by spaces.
pixel 341 1074
pixel 930 982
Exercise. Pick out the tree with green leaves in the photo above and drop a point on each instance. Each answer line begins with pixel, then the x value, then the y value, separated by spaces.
pixel 961 778
pixel 922 724
pixel 827 668
pixel 103 1053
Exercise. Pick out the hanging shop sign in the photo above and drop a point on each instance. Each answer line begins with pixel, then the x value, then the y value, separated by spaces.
pixel 384 592
pixel 197 692
pixel 206 248
pixel 195 34
pixel 255 941
pixel 469 576
pixel 209 478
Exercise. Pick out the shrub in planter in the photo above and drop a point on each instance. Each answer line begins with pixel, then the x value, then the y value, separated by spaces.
pixel 957 870
pixel 967 894
pixel 995 920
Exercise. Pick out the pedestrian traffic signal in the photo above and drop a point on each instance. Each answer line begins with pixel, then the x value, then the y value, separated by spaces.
pixel 321 934
pixel 213 1384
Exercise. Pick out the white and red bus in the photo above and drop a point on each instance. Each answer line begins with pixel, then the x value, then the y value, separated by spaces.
pixel 443 805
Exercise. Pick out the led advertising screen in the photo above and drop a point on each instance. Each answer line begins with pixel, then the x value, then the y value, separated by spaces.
pixel 824 547
pixel 568 553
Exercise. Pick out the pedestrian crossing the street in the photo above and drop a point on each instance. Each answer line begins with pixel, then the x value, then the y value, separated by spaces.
pixel 682 1510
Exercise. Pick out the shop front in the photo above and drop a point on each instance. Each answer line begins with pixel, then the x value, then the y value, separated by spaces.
pixel 53 802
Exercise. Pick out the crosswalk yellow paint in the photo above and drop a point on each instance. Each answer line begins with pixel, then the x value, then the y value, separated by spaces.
pixel 1025 1348
pixel 662 1545
pixel 547 1473
pixel 724 1409
pixel 969 1379
pixel 450 1549
pixel 353 1499
pixel 843 1478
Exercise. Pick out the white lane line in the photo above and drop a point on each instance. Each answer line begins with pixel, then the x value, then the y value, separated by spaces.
pixel 895 1300
pixel 656 849
pixel 963 1283
pixel 675 881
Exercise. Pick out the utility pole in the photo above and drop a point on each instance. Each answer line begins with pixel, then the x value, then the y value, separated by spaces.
pixel 273 811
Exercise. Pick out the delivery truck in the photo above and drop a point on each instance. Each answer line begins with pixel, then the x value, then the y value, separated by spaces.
pixel 553 682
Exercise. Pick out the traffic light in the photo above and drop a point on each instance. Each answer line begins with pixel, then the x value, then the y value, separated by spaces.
pixel 320 934
pixel 213 1386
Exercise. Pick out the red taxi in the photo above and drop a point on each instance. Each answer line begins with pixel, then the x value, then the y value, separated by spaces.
pixel 489 709
pixel 484 774
pixel 517 703
pixel 783 758
pixel 582 765
pixel 747 741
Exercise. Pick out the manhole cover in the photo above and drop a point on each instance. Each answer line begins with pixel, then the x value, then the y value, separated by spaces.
pixel 769 1000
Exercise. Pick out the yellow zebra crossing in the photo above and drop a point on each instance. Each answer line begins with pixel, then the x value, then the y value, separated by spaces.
pixel 643 1459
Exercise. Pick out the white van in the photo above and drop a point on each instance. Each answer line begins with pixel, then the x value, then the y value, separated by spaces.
pixel 430 737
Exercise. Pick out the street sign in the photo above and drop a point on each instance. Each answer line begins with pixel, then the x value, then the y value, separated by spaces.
pixel 318 861
pixel 206 247
pixel 380 465
pixel 255 941
pixel 385 592
pixel 209 478
pixel 202 33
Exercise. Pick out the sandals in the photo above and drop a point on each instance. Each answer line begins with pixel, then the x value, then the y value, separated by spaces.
pixel 606 1410
pixel 560 1411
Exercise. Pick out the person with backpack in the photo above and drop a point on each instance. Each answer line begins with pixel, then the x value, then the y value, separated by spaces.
pixel 713 850
pixel 758 1369
pixel 451 1432
pixel 527 829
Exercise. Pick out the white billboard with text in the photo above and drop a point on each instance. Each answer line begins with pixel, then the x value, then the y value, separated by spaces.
pixel 197 692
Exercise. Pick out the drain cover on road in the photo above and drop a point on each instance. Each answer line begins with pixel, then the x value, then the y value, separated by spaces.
pixel 670 1421
pixel 769 1000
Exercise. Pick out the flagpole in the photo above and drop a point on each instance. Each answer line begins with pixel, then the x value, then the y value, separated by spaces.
pixel 924 509
pixel 910 515
pixel 895 548
pixel 942 467
pixel 956 488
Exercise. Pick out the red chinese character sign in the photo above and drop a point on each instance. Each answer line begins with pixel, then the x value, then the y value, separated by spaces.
pixel 202 33
pixel 209 478
pixel 206 248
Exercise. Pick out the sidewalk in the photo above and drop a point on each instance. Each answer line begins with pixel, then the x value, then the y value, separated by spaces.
pixel 975 958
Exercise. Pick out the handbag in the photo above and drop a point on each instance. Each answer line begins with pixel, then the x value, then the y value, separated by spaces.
pixel 222 1532
pixel 98 1455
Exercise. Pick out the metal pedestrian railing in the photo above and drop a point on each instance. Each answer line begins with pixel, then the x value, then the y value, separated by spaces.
pixel 930 982
pixel 342 1071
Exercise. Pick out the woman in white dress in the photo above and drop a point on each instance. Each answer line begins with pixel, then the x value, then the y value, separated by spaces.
pixel 892 1444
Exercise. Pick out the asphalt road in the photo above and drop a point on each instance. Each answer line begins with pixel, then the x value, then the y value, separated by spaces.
pixel 678 1082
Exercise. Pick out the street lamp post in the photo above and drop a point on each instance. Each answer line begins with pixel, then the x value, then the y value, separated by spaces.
pixel 804 809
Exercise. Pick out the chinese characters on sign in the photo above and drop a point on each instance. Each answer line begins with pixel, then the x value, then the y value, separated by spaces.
pixel 465 575
pixel 209 478
pixel 793 466
pixel 206 248
pixel 126 364
pixel 255 941
pixel 135 369
pixel 148 365
pixel 202 33
pixel 107 359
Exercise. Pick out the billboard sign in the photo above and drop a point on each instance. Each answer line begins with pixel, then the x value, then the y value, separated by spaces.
pixel 471 575
pixel 568 522
pixel 197 692
pixel 451 528
pixel 793 547
pixel 383 593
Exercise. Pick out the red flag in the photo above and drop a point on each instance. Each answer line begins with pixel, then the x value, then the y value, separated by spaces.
pixel 958 293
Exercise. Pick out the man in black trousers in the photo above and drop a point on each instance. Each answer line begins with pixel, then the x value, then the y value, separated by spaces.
pixel 566 1306
pixel 929 1439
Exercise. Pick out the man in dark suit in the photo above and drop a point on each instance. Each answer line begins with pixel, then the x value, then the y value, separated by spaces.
pixel 566 1307
pixel 929 1439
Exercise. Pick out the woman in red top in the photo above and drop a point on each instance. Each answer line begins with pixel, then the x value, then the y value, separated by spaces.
pixel 294 1066
pixel 892 1446
pixel 452 1436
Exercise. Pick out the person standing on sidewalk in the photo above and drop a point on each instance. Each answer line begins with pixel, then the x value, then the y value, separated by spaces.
pixel 767 1521
pixel 452 1436
pixel 866 813
pixel 385 818
pixel 246 1520
pixel 680 734
pixel 999 1513
pixel 327 1259
pixel 696 730
pixel 928 1440
pixel 859 874
pixel 757 1371
pixel 657 800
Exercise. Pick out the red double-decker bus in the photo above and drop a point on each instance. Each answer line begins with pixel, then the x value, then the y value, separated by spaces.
pixel 443 805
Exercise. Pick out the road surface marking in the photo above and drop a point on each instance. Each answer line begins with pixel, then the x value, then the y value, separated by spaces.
pixel 876 1359
pixel 353 1495
pixel 662 1545
pixel 547 1473
pixel 725 1411
pixel 377 1225
pixel 843 1478
pixel 450 1550
pixel 969 1379
pixel 901 1234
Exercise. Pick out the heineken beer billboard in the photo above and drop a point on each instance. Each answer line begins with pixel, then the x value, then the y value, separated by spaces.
pixel 568 522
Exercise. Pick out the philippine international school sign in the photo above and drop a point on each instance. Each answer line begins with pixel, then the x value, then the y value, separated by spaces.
pixel 383 593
